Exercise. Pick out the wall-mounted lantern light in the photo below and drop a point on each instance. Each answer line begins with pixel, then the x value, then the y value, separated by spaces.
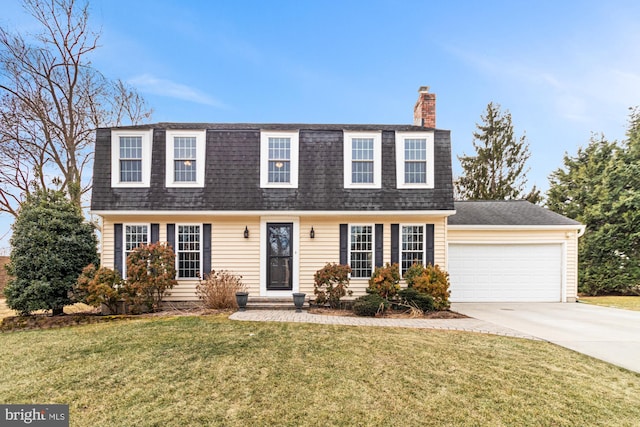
pixel 312 233
pixel 246 232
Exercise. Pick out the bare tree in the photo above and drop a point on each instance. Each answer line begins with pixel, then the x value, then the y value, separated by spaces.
pixel 51 102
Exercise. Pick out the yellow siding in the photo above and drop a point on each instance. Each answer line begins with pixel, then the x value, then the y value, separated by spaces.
pixel 325 247
pixel 231 251
pixel 568 237
pixel 107 244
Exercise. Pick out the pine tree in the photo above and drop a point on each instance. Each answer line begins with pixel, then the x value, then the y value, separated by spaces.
pixel 497 171
pixel 50 246
pixel 600 187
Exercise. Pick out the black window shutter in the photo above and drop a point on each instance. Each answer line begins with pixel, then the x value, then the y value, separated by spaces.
pixel 171 236
pixel 117 249
pixel 344 242
pixel 155 233
pixel 429 235
pixel 379 240
pixel 206 249
pixel 395 242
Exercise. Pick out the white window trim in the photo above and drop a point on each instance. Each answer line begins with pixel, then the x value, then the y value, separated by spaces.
pixel 377 159
pixel 147 138
pixel 373 248
pixel 177 243
pixel 264 159
pixel 124 242
pixel 424 242
pixel 201 141
pixel 400 137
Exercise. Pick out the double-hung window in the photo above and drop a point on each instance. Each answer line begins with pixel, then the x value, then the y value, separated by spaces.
pixel 414 159
pixel 188 252
pixel 185 158
pixel 130 158
pixel 362 159
pixel 134 235
pixel 361 246
pixel 278 159
pixel 412 246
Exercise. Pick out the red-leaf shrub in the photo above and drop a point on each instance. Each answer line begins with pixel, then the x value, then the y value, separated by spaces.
pixel 99 286
pixel 151 272
pixel 331 283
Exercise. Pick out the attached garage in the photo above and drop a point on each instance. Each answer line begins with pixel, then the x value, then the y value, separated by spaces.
pixel 511 251
pixel 506 272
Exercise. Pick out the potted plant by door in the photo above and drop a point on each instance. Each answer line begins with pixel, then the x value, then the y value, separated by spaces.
pixel 298 301
pixel 241 299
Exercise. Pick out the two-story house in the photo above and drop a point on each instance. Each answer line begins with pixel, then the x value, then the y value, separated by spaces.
pixel 276 202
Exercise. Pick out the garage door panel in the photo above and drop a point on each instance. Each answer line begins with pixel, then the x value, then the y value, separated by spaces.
pixel 505 272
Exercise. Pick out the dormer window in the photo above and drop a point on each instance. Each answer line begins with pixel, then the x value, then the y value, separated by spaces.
pixel 130 158
pixel 185 158
pixel 279 159
pixel 414 159
pixel 362 159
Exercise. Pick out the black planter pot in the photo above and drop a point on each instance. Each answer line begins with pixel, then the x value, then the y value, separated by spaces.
pixel 298 301
pixel 241 299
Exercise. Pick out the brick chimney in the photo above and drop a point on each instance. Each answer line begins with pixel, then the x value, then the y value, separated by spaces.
pixel 424 113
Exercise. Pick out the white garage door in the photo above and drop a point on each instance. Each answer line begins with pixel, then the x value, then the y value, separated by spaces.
pixel 505 272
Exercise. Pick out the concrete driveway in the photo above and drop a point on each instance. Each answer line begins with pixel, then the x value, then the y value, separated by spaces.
pixel 609 334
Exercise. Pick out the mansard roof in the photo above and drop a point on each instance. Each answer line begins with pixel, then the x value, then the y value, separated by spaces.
pixel 232 173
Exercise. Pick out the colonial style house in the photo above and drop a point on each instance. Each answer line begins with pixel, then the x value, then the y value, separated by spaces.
pixel 276 202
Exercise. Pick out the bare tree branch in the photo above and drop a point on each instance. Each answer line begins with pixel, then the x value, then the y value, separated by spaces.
pixel 51 102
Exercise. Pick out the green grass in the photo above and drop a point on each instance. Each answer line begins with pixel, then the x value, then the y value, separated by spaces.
pixel 208 370
pixel 628 302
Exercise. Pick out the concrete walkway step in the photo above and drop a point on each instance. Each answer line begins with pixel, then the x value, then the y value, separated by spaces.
pixel 266 303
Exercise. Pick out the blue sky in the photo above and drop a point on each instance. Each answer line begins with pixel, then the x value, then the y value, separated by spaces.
pixel 564 69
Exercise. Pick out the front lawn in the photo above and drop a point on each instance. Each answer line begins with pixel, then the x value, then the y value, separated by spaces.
pixel 208 370
pixel 628 302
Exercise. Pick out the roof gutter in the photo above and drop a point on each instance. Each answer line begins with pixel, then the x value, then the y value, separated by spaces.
pixel 272 213
pixel 579 227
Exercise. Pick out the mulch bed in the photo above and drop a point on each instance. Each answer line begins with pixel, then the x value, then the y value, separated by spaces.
pixel 45 321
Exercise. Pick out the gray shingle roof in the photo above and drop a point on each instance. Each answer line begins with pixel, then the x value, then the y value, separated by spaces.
pixel 506 212
pixel 275 126
pixel 232 173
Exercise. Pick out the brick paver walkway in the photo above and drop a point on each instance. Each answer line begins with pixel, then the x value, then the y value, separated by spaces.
pixel 466 324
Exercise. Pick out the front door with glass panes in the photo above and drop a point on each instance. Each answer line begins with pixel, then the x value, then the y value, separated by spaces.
pixel 279 256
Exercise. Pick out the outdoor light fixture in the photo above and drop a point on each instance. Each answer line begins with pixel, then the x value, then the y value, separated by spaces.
pixel 246 232
pixel 312 233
